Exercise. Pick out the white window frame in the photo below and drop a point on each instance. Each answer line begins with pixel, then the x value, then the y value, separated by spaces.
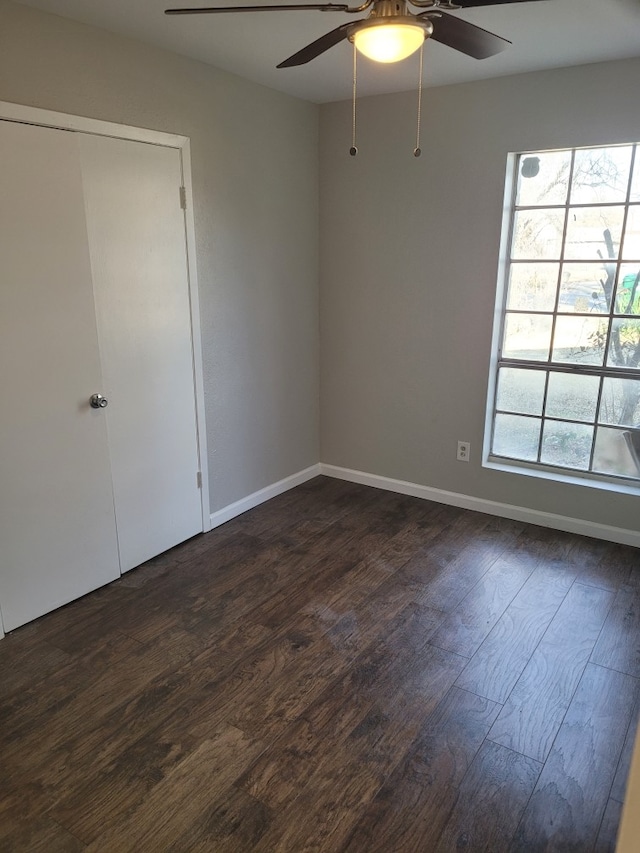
pixel 608 482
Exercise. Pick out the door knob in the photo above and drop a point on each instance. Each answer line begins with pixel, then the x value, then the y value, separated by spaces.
pixel 97 401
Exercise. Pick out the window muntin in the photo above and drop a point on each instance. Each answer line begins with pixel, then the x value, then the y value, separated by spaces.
pixel 567 389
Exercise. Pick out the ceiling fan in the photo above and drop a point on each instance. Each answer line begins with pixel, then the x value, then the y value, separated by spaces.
pixel 391 31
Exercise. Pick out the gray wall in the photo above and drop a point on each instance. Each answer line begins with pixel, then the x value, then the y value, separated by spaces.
pixel 409 259
pixel 408 262
pixel 254 156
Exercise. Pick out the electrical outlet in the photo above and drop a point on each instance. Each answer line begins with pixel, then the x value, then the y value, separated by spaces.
pixel 464 451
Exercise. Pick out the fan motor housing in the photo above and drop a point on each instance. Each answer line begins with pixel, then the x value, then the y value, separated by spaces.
pixel 388 9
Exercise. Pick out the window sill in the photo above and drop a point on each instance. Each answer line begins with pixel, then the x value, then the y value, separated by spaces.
pixel 571 478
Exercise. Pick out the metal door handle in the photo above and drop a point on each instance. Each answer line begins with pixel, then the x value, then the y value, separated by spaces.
pixel 97 401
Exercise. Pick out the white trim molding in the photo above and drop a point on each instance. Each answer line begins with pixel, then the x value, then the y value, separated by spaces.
pixel 83 124
pixel 517 513
pixel 244 504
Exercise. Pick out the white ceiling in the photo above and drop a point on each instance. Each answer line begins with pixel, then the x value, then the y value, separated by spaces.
pixel 548 34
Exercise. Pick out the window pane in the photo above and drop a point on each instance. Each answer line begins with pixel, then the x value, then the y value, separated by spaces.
pixel 620 402
pixel 516 437
pixel 520 390
pixel 543 178
pixel 635 183
pixel 566 444
pixel 532 287
pixel 579 340
pixel 537 234
pixel 613 453
pixel 624 345
pixel 572 396
pixel 527 336
pixel 569 359
pixel 584 288
pixel 593 232
pixel 601 175
pixel 631 248
pixel 628 291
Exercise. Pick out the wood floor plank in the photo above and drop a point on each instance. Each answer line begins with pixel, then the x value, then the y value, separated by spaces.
pixel 533 713
pixel 495 668
pixel 349 545
pixel 491 798
pixel 103 719
pixel 233 822
pixel 108 792
pixel 624 765
pixel 410 810
pixel 325 501
pixel 323 815
pixel 571 796
pixel 42 835
pixel 618 645
pixel 83 621
pixel 449 569
pixel 603 565
pixel 212 593
pixel 350 589
pixel 607 835
pixel 467 626
pixel 72 694
pixel 183 799
pixel 275 685
pixel 24 661
pixel 397 668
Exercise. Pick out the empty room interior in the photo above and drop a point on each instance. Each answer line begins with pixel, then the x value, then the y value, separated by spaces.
pixel 320 394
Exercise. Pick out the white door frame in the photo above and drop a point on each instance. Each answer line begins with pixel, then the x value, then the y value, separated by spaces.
pixel 81 124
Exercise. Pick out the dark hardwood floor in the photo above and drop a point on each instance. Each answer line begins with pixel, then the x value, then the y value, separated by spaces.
pixel 340 669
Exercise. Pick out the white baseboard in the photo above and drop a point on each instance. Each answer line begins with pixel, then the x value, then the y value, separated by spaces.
pixel 517 513
pixel 232 510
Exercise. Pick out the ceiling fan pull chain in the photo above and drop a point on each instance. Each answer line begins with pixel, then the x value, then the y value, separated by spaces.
pixel 353 150
pixel 417 150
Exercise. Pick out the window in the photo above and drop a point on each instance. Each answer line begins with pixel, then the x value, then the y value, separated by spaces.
pixel 567 387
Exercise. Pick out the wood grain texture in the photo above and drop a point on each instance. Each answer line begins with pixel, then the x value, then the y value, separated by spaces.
pixel 607 835
pixel 571 796
pixel 196 783
pixel 446 570
pixel 492 796
pixel 604 565
pixel 410 810
pixel 624 764
pixel 394 682
pixel 279 685
pixel 500 660
pixel 537 704
pixel 467 626
pixel 41 835
pixel 109 791
pixel 618 645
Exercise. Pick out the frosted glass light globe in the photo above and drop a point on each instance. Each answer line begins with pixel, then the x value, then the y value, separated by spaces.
pixel 389 43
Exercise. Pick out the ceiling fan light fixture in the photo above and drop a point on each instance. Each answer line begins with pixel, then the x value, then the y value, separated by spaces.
pixel 389 43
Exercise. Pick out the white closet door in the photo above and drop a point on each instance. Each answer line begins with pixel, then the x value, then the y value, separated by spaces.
pixel 138 253
pixel 57 528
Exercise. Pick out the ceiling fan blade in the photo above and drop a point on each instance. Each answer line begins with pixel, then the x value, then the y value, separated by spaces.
pixel 468 4
pixel 212 10
pixel 465 37
pixel 317 47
